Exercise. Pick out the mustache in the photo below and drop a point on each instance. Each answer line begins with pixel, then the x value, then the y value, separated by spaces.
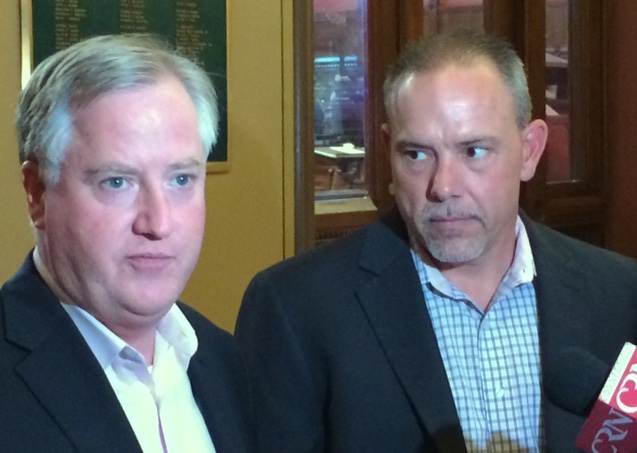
pixel 447 211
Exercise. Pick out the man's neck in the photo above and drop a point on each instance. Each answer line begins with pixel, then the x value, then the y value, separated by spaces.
pixel 478 279
pixel 479 282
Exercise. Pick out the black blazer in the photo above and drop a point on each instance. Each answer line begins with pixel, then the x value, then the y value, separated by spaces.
pixel 54 396
pixel 344 358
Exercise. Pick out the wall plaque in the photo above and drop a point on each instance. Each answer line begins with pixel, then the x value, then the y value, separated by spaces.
pixel 197 27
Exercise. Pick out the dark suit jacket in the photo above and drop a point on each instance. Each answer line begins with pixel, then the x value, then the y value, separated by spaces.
pixel 343 356
pixel 54 396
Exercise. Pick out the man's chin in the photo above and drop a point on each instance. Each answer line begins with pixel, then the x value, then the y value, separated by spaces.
pixel 454 252
pixel 150 304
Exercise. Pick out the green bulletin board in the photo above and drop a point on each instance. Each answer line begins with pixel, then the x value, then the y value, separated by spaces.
pixel 197 27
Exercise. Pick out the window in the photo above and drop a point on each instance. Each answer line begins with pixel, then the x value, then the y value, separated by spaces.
pixel 560 165
pixel 340 78
pixel 561 44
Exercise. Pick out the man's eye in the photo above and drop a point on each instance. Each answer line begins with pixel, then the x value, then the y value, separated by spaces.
pixel 116 182
pixel 416 154
pixel 182 180
pixel 476 152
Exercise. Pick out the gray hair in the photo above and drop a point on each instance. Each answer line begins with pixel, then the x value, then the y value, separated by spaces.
pixel 74 77
pixel 462 47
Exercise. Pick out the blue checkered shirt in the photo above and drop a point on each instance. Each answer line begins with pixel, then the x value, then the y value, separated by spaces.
pixel 492 359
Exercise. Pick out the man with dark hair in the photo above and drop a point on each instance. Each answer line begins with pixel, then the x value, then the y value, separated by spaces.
pixel 95 353
pixel 434 329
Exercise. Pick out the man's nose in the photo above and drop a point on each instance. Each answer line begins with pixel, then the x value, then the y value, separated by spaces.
pixel 447 179
pixel 154 216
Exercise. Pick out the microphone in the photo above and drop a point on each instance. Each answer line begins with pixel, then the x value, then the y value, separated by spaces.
pixel 611 425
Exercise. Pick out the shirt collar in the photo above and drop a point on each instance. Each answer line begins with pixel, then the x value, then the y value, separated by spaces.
pixel 522 269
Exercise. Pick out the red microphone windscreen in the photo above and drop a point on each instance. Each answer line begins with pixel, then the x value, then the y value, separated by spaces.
pixel 611 425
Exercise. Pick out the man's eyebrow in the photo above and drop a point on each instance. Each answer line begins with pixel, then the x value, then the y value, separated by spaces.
pixel 409 144
pixel 187 163
pixel 127 170
pixel 478 140
pixel 111 167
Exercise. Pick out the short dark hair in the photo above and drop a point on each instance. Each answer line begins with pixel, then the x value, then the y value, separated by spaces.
pixel 462 47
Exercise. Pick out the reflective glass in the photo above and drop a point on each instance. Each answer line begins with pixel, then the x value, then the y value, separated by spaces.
pixel 444 15
pixel 557 151
pixel 339 98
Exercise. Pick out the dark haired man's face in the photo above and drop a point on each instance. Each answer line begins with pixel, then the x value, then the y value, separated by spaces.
pixel 457 160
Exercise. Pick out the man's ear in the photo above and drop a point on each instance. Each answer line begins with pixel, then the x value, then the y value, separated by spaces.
pixel 534 140
pixel 34 187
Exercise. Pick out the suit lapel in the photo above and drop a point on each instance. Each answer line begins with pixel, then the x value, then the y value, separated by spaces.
pixel 60 369
pixel 564 316
pixel 564 321
pixel 396 310
pixel 219 411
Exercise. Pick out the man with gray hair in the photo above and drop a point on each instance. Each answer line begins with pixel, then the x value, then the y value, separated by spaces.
pixel 441 327
pixel 96 355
